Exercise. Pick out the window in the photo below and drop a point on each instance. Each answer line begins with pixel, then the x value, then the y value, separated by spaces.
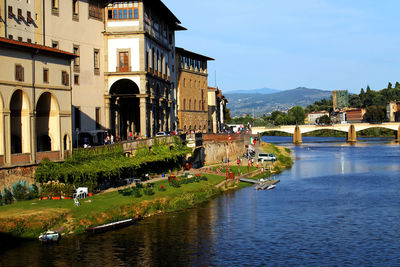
pixel 10 37
pixel 184 104
pixel 76 79
pixel 76 59
pixel 29 40
pixel 123 10
pixel 45 75
pixel 96 59
pixel 95 9
pixel 54 44
pixel 20 17
pixel 64 78
pixel 98 125
pixel 123 59
pixel 19 73
pixel 190 104
pixel 19 39
pixel 194 105
pixel 54 7
pixel 77 117
pixel 29 17
pixel 10 12
pixel 75 8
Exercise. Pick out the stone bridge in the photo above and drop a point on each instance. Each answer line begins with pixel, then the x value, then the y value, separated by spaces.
pixel 350 129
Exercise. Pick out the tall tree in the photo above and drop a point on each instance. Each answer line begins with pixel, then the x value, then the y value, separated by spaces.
pixel 296 115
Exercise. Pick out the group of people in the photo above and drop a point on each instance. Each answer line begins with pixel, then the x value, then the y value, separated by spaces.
pixel 109 139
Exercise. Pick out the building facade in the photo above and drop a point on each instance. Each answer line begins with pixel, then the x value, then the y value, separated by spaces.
pixel 340 99
pixel 192 79
pixel 393 111
pixel 355 115
pixel 140 71
pixel 35 103
pixel 212 110
pixel 313 116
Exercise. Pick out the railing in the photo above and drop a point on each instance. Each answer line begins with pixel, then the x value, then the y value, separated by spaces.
pixel 124 69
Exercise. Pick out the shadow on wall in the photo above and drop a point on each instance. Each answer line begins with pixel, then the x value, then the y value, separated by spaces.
pixel 198 158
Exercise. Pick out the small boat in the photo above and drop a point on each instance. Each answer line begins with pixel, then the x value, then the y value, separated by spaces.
pixel 272 186
pixel 50 236
pixel 112 226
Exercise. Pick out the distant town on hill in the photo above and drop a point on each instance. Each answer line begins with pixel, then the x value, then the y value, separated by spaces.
pixel 265 100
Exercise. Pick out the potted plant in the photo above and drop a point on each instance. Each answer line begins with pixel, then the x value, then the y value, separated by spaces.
pixel 56 189
pixel 68 191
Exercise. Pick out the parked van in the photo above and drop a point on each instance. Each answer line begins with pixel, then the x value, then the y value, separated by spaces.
pixel 266 157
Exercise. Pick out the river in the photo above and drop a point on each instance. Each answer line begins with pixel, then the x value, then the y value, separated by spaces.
pixel 339 205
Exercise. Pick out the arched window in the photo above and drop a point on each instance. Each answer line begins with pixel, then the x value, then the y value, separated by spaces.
pixel 190 104
pixel 184 104
pixel 184 82
pixel 194 105
pixel 200 105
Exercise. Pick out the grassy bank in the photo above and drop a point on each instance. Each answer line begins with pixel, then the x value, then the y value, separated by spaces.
pixel 29 218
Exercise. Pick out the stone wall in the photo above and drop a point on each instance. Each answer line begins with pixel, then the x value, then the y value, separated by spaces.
pixel 8 176
pixel 215 152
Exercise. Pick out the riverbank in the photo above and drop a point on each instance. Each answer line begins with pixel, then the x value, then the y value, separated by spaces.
pixel 29 218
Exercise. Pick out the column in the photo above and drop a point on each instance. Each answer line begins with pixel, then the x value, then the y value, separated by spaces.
pixel 107 112
pixel 352 136
pixel 398 135
pixel 143 118
pixel 151 119
pixel 7 137
pixel 297 136
pixel 33 137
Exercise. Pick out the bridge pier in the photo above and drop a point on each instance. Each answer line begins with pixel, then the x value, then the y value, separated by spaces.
pixel 352 135
pixel 398 135
pixel 297 139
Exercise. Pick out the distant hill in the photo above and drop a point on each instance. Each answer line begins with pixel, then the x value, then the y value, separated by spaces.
pixel 263 91
pixel 247 103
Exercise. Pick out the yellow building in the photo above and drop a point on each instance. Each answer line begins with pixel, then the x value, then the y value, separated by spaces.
pixel 192 91
pixel 35 103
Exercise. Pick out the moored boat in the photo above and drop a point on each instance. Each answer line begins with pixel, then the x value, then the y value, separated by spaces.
pixel 50 236
pixel 272 186
pixel 113 225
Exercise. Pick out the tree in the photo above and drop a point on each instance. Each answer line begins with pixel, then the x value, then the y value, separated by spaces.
pixel 355 101
pixel 389 85
pixel 324 120
pixel 375 114
pixel 296 115
pixel 280 120
pixel 227 114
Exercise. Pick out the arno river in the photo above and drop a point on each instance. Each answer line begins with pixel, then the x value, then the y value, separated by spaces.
pixel 339 205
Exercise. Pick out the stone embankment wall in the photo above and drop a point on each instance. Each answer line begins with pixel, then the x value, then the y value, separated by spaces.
pixel 215 152
pixel 8 176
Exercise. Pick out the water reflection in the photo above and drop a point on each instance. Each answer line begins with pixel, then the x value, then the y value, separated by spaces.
pixel 337 206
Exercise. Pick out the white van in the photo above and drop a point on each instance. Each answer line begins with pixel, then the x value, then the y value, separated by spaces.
pixel 266 157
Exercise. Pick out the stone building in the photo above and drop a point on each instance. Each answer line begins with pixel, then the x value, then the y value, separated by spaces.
pixel 35 102
pixel 124 76
pixel 221 106
pixel 212 110
pixel 192 83
pixel 140 71
pixel 393 111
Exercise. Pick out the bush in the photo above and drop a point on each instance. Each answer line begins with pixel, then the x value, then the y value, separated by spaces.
pixel 204 178
pixel 136 192
pixel 19 190
pixel 175 183
pixel 7 196
pixel 162 188
pixel 33 191
pixel 148 191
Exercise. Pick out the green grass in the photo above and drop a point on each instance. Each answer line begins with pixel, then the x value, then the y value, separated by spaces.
pixel 29 218
pixel 234 168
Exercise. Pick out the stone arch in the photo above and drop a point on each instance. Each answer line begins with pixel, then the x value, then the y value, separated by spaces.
pixel 47 123
pixel 20 122
pixel 125 110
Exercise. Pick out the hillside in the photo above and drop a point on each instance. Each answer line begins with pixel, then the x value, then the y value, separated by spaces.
pixel 247 103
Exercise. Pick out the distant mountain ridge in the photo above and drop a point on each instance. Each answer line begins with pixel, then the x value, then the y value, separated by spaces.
pixel 264 91
pixel 261 103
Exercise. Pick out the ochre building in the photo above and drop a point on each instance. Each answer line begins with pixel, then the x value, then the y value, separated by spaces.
pixel 192 91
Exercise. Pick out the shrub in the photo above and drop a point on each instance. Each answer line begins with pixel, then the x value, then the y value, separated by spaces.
pixel 162 188
pixel 68 190
pixel 139 185
pixel 19 190
pixel 7 196
pixel 136 192
pixel 148 191
pixel 204 178
pixel 175 183
pixel 33 191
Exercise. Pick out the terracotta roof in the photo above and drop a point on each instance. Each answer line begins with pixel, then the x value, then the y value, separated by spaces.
pixel 44 49
pixel 182 51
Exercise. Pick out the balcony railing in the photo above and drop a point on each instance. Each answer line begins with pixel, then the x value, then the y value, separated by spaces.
pixel 124 69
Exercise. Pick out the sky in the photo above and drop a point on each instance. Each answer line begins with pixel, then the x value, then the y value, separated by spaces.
pixel 284 44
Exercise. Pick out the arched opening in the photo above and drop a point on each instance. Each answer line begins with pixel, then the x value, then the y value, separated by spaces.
pixel 47 123
pixel 125 110
pixel 66 143
pixel 19 107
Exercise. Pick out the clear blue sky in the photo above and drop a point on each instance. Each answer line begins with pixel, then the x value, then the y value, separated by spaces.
pixel 324 44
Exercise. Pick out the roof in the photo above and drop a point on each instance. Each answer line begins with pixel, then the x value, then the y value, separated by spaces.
pixel 182 51
pixel 161 9
pixel 4 42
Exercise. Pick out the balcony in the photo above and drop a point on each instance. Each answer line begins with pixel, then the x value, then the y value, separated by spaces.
pixel 124 69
